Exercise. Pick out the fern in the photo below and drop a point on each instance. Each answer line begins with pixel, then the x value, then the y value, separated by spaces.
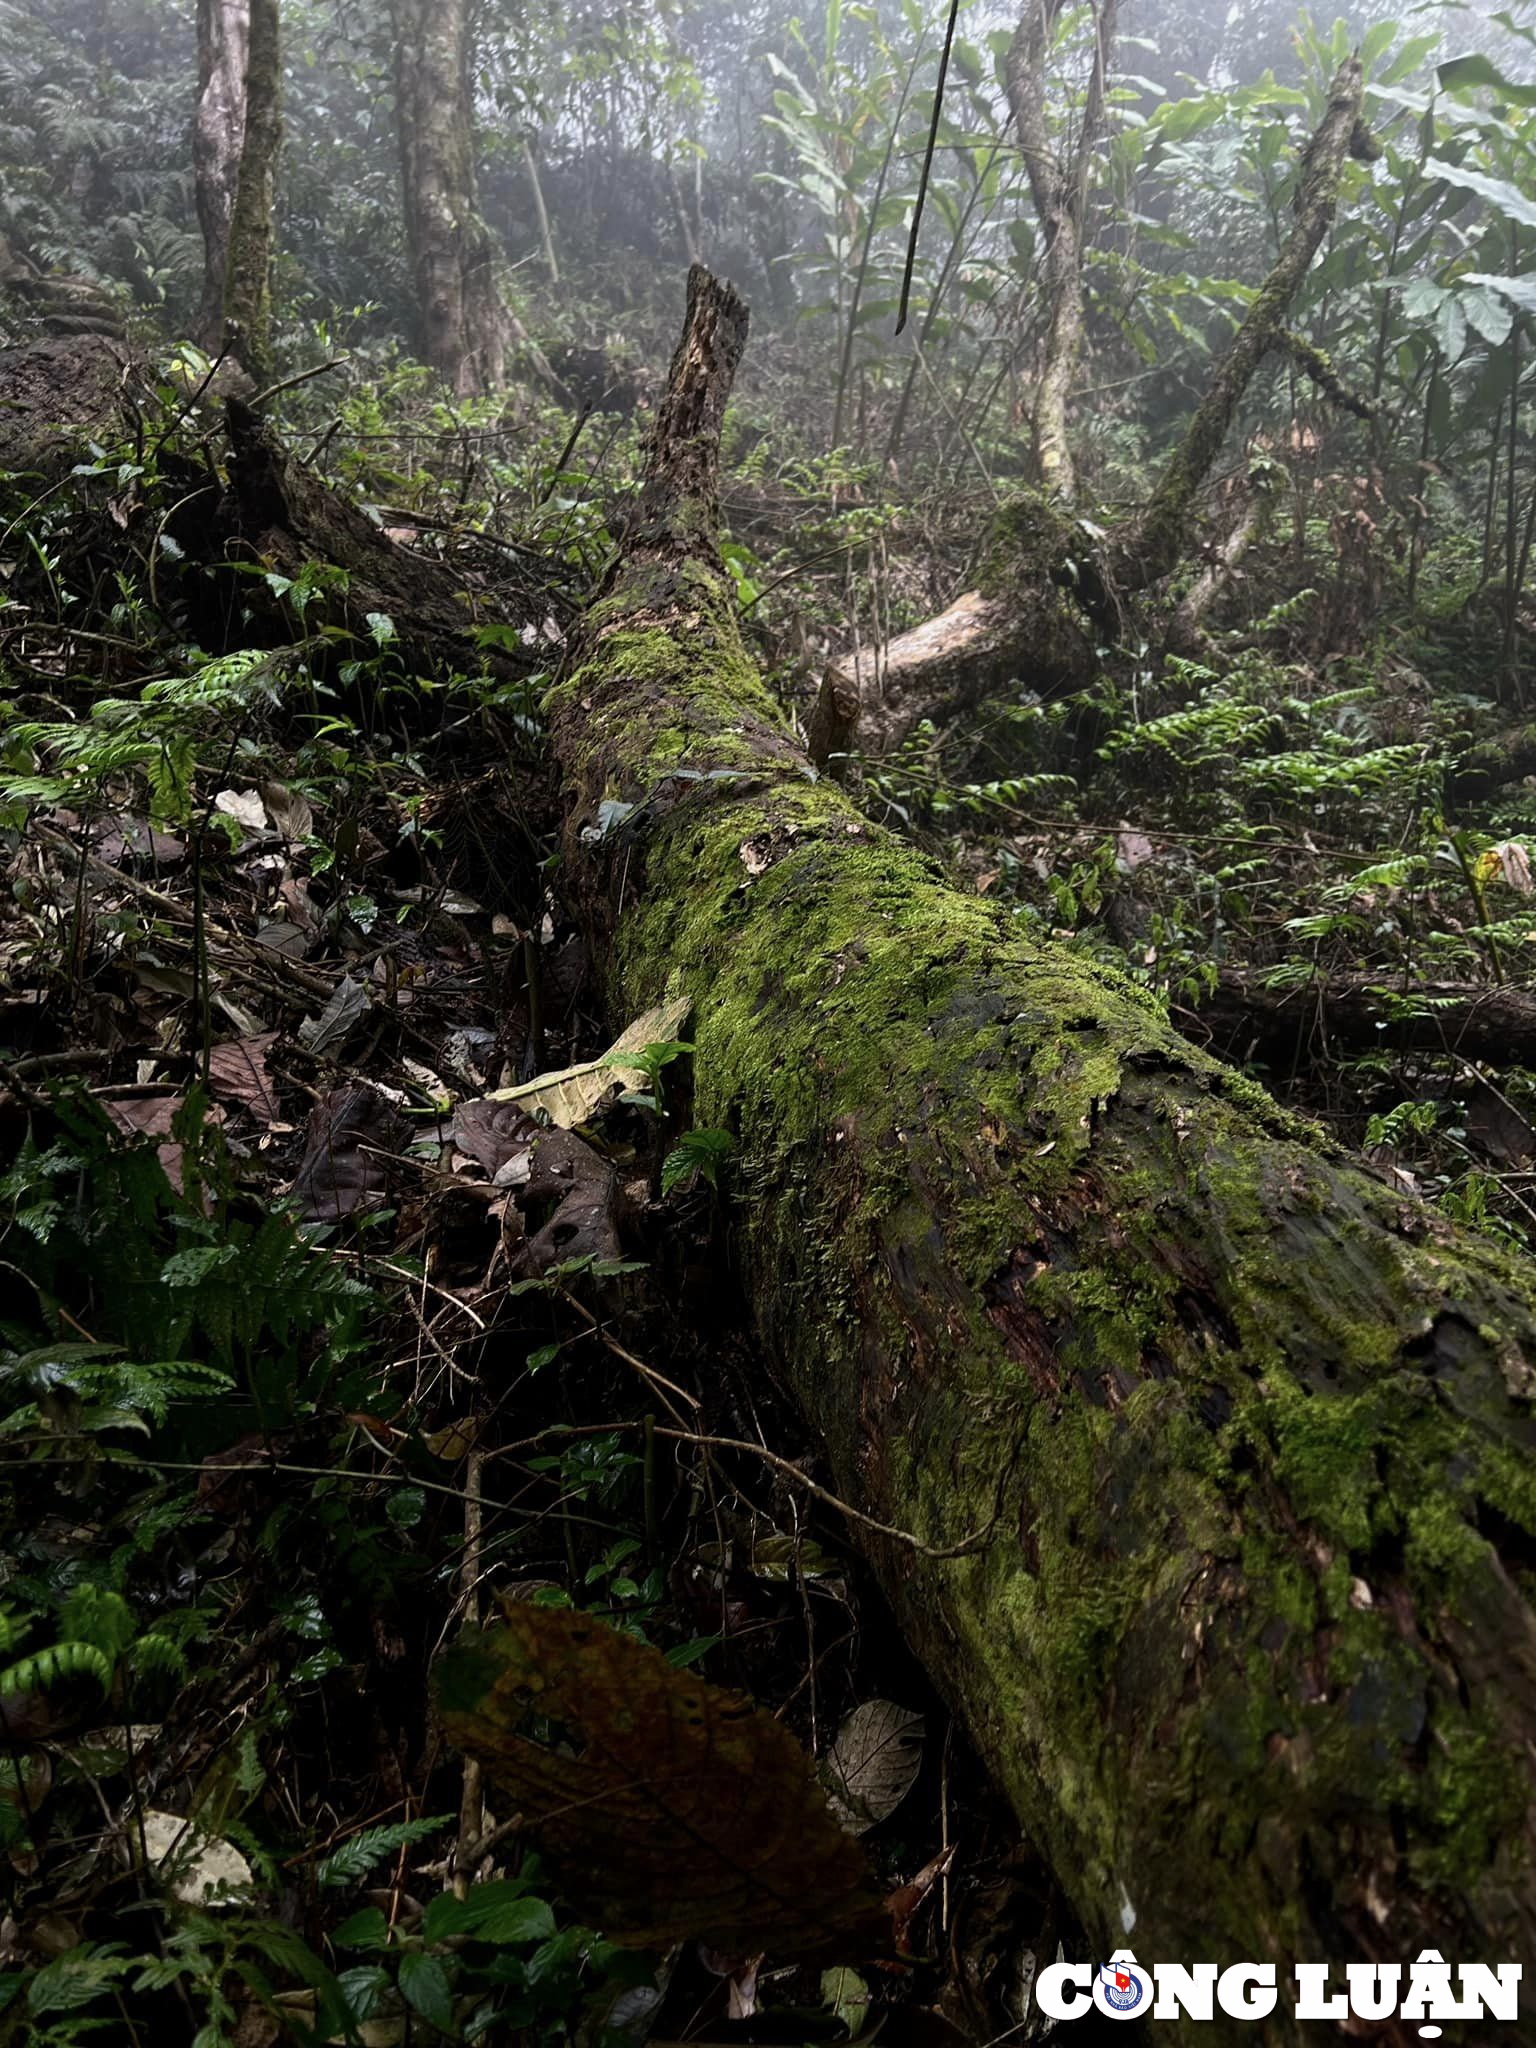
pixel 44 1669
pixel 355 1858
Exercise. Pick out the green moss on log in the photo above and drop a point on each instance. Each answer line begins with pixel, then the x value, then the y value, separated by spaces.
pixel 1247 1638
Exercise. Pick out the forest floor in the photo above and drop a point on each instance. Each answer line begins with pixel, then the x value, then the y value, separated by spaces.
pixel 351 1280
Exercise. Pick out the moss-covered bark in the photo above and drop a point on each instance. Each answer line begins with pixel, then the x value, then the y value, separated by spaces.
pixel 1059 188
pixel 1248 1642
pixel 248 260
pixel 1162 532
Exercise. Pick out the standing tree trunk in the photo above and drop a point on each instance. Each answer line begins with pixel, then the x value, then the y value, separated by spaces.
pixel 465 326
pixel 223 38
pixel 248 270
pixel 1060 192
pixel 1212 1450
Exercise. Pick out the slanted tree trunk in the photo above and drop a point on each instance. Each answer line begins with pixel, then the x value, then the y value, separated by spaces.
pixel 248 264
pixel 541 211
pixel 1044 567
pixel 1059 188
pixel 223 37
pixel 1163 529
pixel 1213 1450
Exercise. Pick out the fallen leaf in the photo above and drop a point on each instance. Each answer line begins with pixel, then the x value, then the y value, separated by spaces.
pixel 1515 864
pixel 571 1096
pixel 199 1867
pixel 847 1996
pixel 244 806
pixel 237 1071
pixel 775 1558
pixel 152 1116
pixel 289 811
pixel 345 1165
pixel 279 936
pixel 124 840
pixel 565 1171
pixel 902 1904
pixel 874 1759
pixel 347 1004
pixel 493 1132
pixel 1132 849
pixel 669 1809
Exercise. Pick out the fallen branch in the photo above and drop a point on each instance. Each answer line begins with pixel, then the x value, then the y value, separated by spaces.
pixel 1244 1016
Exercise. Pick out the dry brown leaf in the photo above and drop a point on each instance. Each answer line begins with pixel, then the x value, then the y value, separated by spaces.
pixel 872 1763
pixel 288 810
pixel 564 1170
pixel 572 1095
pixel 237 1071
pixel 493 1133
pixel 346 1163
pixel 669 1808
pixel 152 1116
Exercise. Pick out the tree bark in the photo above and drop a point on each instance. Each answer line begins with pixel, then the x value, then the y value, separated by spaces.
pixel 465 328
pixel 218 138
pixel 1215 1450
pixel 248 267
pixel 1247 1016
pixel 1060 192
pixel 1162 532
pixel 464 324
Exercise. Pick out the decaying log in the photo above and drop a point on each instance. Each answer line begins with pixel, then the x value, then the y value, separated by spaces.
pixel 60 391
pixel 284 516
pixel 60 394
pixel 1247 1018
pixel 1214 1451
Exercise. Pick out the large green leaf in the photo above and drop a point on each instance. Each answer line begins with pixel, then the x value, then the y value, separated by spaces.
pixel 1499 193
pixel 1520 291
pixel 1460 74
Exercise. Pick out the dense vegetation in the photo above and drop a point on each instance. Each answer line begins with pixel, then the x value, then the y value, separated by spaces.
pixel 355 1271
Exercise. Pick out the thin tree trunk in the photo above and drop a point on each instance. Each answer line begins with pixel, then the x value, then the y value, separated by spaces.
pixel 1163 530
pixel 1511 659
pixel 535 185
pixel 248 270
pixel 680 214
pixel 463 323
pixel 223 37
pixel 1060 193
pixel 1214 1447
pixel 1020 621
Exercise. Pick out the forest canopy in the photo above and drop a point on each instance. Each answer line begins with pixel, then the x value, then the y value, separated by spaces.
pixel 767 1021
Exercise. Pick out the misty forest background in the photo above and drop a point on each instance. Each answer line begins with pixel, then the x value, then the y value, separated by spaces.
pixel 351 1282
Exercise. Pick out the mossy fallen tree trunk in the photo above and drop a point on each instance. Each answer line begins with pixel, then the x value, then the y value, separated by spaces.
pixel 1233 1442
